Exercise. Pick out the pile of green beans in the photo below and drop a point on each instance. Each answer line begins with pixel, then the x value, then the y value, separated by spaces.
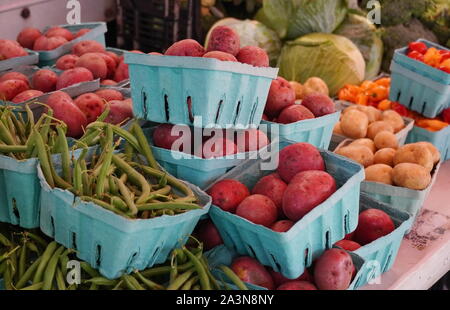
pixel 130 184
pixel 28 261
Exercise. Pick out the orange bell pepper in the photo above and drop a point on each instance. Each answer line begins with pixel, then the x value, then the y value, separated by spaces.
pixel 432 57
pixel 362 99
pixel 349 93
pixel 366 85
pixel 384 105
pixel 432 123
pixel 378 93
pixel 386 82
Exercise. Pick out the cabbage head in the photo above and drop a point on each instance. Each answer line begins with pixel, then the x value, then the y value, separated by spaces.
pixel 333 58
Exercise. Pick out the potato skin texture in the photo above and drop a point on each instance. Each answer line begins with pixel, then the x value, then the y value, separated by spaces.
pixel 385 156
pixel 394 119
pixel 377 127
pixel 434 151
pixel 354 124
pixel 361 154
pixel 385 139
pixel 365 142
pixel 379 173
pixel 416 154
pixel 411 176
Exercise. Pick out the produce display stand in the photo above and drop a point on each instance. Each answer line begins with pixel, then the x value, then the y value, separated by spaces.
pixel 424 255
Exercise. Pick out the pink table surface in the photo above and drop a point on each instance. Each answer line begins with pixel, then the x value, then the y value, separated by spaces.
pixel 424 255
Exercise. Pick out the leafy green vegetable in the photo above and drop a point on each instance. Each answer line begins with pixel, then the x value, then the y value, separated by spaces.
pixel 334 59
pixel 365 36
pixel 254 33
pixel 294 18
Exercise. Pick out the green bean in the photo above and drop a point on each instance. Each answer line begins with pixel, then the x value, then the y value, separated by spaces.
pixel 46 126
pixel 65 156
pixel 5 135
pixel 86 179
pixel 233 277
pixel 89 270
pixel 34 287
pixel 3 266
pixel 7 279
pixel 174 271
pixel 19 128
pixel 30 118
pixel 37 239
pixel 101 281
pixel 93 287
pixel 133 176
pixel 204 279
pixel 146 150
pixel 9 254
pixel 164 270
pixel 51 248
pixel 61 284
pixel 117 287
pixel 29 273
pixel 208 272
pixel 44 160
pixel 168 206
pixel 5 241
pixel 117 202
pixel 180 280
pixel 22 260
pixel 196 288
pixel 121 132
pixel 188 285
pixel 32 247
pixel 113 186
pixel 127 197
pixel 132 283
pixel 49 274
pixel 149 283
pixel 60 182
pixel 63 261
pixel 109 150
pixel 103 204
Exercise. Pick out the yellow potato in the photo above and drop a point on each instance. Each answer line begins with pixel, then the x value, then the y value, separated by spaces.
pixel 354 124
pixel 361 154
pixel 373 113
pixel 394 119
pixel 385 139
pixel 377 127
pixel 315 85
pixel 337 129
pixel 365 142
pixel 298 88
pixel 379 173
pixel 384 156
pixel 416 154
pixel 434 151
pixel 411 176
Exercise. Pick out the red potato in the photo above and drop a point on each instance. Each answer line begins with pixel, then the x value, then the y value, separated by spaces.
pixel 258 209
pixel 91 105
pixel 348 245
pixel 45 80
pixel 95 63
pixel 282 226
pixel 28 36
pixel 59 32
pixel 111 64
pixel 294 113
pixel 251 140
pixel 88 46
pixel 333 270
pixel 108 83
pixel 349 236
pixel 254 56
pixel 114 56
pixel 228 194
pixel 307 190
pixel 373 224
pixel 55 42
pixel 109 94
pixel 65 110
pixel 281 95
pixel 14 76
pixel 279 279
pixel 297 286
pixel 319 104
pixel 11 88
pixel 273 187
pixel 120 111
pixel 208 234
pixel 218 147
pixel 224 39
pixel 11 49
pixel 155 53
pixel 73 76
pixel 251 271
pixel 81 32
pixel 27 95
pixel 265 117
pixel 122 72
pixel 187 47
pixel 129 101
pixel 67 62
pixel 220 56
pixel 40 44
pixel 163 137
pixel 299 157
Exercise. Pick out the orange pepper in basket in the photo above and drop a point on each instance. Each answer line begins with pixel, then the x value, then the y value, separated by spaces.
pixel 378 93
pixel 366 85
pixel 384 105
pixel 349 93
pixel 386 82
pixel 362 99
pixel 432 123
pixel 432 57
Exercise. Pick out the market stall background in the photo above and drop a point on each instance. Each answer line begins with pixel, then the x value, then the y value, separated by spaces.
pixel 153 28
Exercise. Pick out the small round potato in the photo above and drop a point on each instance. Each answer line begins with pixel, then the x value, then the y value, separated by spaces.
pixel 385 139
pixel 377 127
pixel 384 156
pixel 354 124
pixel 365 142
pixel 394 119
pixel 337 129
pixel 434 151
pixel 411 176
pixel 361 154
pixel 374 114
pixel 416 154
pixel 379 173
